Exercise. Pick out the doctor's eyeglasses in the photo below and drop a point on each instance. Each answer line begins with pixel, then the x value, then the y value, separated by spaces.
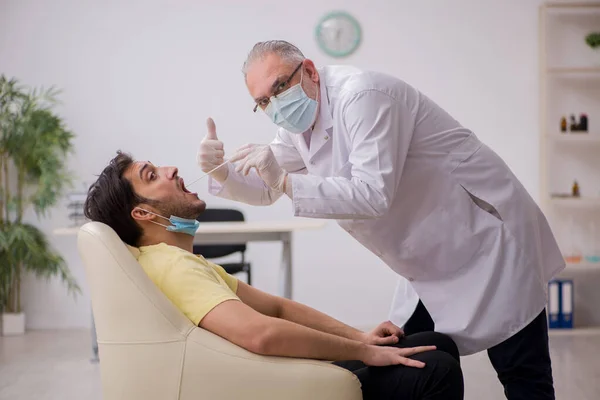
pixel 279 88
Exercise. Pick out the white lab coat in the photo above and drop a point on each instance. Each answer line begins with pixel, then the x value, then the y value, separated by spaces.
pixel 421 192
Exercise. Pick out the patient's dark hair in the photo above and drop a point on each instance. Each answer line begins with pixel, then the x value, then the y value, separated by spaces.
pixel 111 198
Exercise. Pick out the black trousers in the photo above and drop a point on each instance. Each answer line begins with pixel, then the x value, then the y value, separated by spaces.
pixel 441 378
pixel 522 362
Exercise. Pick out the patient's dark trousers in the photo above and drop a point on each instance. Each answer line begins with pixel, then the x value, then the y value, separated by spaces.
pixel 522 362
pixel 440 379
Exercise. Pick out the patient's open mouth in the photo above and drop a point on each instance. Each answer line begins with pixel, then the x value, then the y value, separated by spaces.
pixel 183 186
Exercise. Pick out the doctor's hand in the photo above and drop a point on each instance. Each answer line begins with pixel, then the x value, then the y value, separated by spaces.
pixel 210 154
pixel 262 158
pixel 385 334
pixel 383 356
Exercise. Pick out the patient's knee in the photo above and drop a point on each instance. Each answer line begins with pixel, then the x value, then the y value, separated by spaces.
pixel 441 341
pixel 446 373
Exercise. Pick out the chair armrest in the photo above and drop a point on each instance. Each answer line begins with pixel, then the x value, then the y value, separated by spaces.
pixel 217 369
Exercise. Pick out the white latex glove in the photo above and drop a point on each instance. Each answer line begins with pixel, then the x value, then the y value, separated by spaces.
pixel 210 154
pixel 262 158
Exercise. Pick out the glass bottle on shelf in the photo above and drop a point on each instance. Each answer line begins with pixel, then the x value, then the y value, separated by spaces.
pixel 563 124
pixel 573 124
pixel 593 251
pixel 583 123
pixel 575 189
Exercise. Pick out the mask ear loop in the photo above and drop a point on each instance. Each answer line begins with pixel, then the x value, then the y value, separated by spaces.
pixel 154 222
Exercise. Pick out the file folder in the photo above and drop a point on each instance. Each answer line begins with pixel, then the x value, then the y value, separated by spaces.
pixel 566 300
pixel 554 293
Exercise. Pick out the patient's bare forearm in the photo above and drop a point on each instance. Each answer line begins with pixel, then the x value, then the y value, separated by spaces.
pixel 287 339
pixel 309 317
pixel 270 335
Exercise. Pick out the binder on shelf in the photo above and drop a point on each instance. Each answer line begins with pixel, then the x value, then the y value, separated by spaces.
pixel 554 293
pixel 566 299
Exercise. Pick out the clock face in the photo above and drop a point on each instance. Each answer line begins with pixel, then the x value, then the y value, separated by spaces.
pixel 338 34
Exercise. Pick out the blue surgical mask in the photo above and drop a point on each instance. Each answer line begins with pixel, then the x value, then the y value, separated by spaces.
pixel 293 110
pixel 178 224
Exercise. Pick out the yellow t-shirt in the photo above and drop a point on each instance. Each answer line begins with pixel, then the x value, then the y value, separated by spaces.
pixel 192 283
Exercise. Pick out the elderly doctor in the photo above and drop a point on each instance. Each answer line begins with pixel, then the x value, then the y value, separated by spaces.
pixel 416 188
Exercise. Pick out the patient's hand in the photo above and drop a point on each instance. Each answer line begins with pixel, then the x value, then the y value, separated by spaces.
pixel 385 334
pixel 383 356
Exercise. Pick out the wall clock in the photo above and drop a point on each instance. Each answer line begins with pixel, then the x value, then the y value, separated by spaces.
pixel 338 34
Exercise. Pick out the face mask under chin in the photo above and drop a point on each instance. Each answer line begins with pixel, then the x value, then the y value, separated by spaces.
pixel 178 225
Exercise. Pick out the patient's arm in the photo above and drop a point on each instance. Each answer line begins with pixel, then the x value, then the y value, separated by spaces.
pixel 261 334
pixel 295 312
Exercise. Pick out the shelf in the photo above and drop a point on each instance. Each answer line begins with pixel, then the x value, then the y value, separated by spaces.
pixel 572 8
pixel 579 202
pixel 583 331
pixel 581 4
pixel 586 138
pixel 574 70
pixel 582 266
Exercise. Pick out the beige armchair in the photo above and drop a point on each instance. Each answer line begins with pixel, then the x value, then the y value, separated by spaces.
pixel 149 350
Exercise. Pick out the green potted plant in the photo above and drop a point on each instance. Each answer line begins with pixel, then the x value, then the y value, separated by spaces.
pixel 593 39
pixel 34 143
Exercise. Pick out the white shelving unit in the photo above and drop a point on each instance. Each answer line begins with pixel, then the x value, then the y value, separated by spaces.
pixel 591 331
pixel 570 85
pixel 586 139
pixel 583 266
pixel 577 202
pixel 573 70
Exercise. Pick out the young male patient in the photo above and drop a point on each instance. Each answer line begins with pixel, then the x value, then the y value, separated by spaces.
pixel 140 202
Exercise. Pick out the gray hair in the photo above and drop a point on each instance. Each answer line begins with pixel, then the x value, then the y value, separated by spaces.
pixel 285 50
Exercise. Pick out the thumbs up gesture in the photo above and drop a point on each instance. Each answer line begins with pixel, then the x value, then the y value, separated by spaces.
pixel 210 154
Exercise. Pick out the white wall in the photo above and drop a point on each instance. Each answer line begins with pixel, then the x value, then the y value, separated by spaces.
pixel 144 75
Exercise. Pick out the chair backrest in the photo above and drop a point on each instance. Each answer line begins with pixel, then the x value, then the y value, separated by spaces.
pixel 220 215
pixel 127 306
pixel 141 335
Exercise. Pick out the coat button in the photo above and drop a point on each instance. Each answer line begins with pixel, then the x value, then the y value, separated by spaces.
pixel 326 137
pixel 411 279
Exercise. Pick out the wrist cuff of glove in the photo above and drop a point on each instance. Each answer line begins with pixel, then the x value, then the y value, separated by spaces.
pixel 287 185
pixel 280 183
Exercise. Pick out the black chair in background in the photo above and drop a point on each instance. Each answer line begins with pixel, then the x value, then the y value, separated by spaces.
pixel 221 250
